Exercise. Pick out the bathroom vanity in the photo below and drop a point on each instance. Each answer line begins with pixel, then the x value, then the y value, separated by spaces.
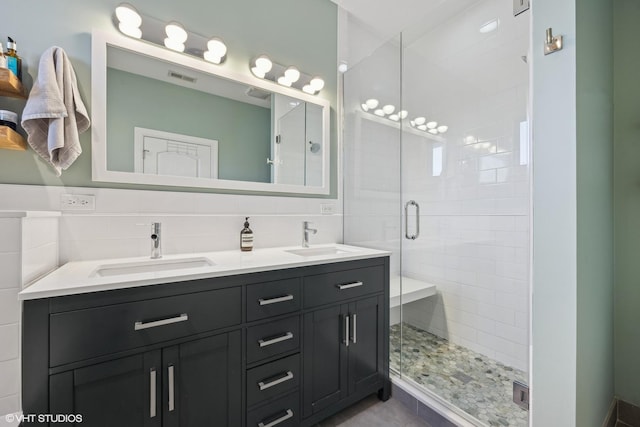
pixel 259 343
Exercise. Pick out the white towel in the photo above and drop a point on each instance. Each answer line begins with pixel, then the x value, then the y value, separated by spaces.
pixel 55 115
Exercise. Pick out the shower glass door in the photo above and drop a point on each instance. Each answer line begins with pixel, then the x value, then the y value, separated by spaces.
pixel 436 161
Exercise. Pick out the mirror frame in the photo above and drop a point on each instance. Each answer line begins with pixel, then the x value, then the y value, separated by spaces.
pixel 100 41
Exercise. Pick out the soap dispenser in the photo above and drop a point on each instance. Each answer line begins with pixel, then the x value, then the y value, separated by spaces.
pixel 246 237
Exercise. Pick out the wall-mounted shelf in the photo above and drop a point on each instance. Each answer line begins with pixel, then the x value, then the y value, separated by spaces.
pixel 11 139
pixel 10 85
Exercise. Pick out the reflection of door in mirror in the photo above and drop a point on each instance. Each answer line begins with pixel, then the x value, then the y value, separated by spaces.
pixel 289 164
pixel 165 153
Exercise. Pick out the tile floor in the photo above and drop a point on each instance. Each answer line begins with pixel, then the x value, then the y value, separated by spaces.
pixel 478 385
pixel 372 412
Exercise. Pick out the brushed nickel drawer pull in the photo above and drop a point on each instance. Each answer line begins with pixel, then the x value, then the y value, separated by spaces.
pixel 275 300
pixel 277 421
pixel 264 343
pixel 349 285
pixel 146 325
pixel 152 393
pixel 287 376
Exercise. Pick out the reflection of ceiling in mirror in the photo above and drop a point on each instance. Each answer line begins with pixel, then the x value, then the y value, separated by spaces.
pixel 154 68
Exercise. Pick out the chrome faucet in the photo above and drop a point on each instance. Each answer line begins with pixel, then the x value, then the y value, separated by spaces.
pixel 156 244
pixel 305 233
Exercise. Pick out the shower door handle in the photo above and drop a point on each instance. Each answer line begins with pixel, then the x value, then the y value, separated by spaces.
pixel 406 220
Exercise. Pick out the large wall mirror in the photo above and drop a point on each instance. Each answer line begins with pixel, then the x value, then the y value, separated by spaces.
pixel 163 118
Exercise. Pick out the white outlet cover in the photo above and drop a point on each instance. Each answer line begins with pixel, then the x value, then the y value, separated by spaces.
pixel 77 202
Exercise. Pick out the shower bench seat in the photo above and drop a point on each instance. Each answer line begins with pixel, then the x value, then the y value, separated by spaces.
pixel 412 290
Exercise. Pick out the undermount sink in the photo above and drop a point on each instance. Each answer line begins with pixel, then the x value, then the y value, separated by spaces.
pixel 151 266
pixel 327 250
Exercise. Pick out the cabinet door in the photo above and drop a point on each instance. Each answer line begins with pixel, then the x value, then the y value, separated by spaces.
pixel 202 382
pixel 366 343
pixel 123 392
pixel 325 357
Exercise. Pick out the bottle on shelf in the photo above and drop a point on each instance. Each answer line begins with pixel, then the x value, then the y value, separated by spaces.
pixel 246 237
pixel 14 62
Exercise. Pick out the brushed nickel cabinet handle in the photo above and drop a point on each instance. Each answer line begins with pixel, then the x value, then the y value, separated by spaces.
pixel 289 414
pixel 172 394
pixel 287 376
pixel 267 301
pixel 354 318
pixel 264 343
pixel 346 331
pixel 349 285
pixel 152 393
pixel 146 325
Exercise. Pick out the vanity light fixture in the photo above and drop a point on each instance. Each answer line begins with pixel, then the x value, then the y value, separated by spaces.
pixel 172 35
pixel 176 36
pixel 261 66
pixel 290 76
pixel 216 51
pixel 388 109
pixel 129 20
pixel 431 127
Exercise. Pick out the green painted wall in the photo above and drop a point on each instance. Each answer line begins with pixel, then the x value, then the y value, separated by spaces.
pixel 627 198
pixel 301 32
pixel 243 131
pixel 594 117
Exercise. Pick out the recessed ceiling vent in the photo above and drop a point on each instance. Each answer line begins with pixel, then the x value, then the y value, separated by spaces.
pixel 179 76
pixel 258 93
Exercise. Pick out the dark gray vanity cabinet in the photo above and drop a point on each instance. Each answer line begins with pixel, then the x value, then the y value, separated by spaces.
pixel 344 343
pixel 279 348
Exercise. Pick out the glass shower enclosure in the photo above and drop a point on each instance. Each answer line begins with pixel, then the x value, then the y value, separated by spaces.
pixel 436 171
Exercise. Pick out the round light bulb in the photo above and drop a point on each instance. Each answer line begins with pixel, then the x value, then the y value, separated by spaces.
pixel 365 107
pixel 432 125
pixel 212 57
pixel 379 112
pixel 403 114
pixel 470 139
pixel 343 67
pixel 420 120
pixel 422 127
pixel 292 74
pixel 217 47
pixel 175 31
pixel 264 64
pixel 443 129
pixel 372 103
pixel 282 80
pixel 309 89
pixel 394 117
pixel 174 45
pixel 412 123
pixel 130 30
pixel 128 15
pixel 388 109
pixel 317 83
pixel 257 72
pixel 433 131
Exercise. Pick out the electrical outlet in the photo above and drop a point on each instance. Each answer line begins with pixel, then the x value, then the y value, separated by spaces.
pixel 327 208
pixel 77 202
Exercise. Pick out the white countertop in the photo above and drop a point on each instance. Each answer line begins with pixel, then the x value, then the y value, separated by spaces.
pixel 79 277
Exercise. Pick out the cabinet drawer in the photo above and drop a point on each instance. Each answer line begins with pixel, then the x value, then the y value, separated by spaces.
pixel 273 338
pixel 272 379
pixel 272 299
pixel 83 334
pixel 341 285
pixel 284 412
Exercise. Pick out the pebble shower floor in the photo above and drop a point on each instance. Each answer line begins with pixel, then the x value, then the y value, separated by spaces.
pixel 478 385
